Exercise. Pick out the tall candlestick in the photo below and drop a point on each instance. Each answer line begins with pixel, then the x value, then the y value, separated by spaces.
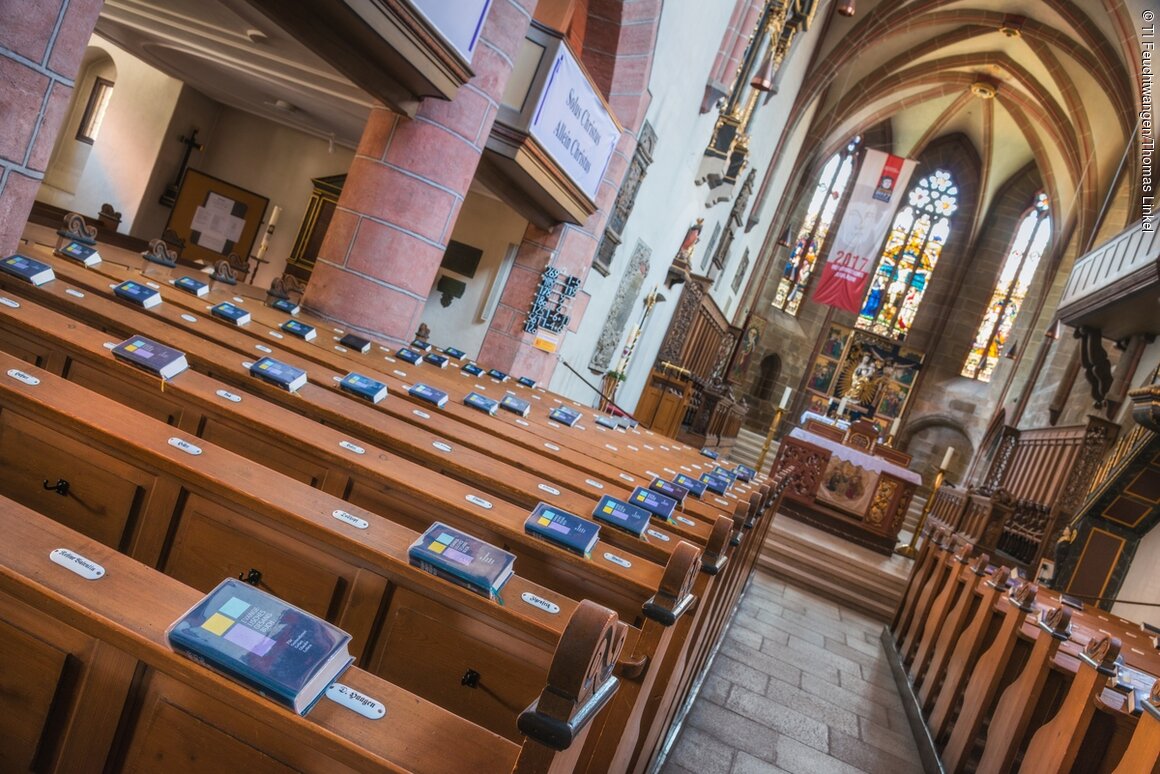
pixel 894 426
pixel 785 398
pixel 841 407
pixel 273 221
pixel 946 461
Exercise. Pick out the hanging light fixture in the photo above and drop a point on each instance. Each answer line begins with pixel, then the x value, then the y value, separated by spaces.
pixel 763 77
pixel 846 8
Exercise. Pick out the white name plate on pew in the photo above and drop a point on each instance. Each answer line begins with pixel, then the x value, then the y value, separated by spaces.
pixel 352 447
pixel 549 489
pixel 686 522
pixel 593 484
pixel 553 424
pixel 478 501
pixel 670 471
pixel 20 376
pixel 650 448
pixel 86 568
pixel 356 702
pixel 617 560
pixel 658 535
pixel 540 602
pixel 634 448
pixel 275 334
pixel 263 348
pixel 185 446
pixel 650 474
pixel 627 477
pixel 400 374
pixel 420 414
pixel 523 422
pixel 74 292
pixel 443 447
pixel 8 302
pixel 231 397
pixel 189 318
pixel 551 446
pixel 351 519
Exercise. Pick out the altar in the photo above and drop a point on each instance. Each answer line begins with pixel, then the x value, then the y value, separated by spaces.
pixel 847 484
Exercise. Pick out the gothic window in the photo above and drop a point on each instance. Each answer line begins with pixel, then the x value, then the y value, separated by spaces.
pixel 811 238
pixel 912 249
pixel 94 114
pixel 1027 248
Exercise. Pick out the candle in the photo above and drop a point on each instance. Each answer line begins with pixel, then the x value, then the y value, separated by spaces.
pixel 273 218
pixel 946 462
pixel 842 407
pixel 894 426
pixel 785 398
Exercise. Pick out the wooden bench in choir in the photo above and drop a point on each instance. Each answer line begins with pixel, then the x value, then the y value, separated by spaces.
pixel 202 516
pixel 90 683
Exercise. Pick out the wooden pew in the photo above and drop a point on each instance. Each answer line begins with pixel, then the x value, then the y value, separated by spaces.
pixel 202 516
pixel 91 683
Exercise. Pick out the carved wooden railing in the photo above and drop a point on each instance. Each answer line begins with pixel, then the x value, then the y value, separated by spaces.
pixel 1126 264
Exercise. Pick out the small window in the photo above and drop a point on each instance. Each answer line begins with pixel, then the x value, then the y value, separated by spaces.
pixel 95 111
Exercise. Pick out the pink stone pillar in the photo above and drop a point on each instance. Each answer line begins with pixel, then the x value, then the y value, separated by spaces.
pixel 41 47
pixel 404 190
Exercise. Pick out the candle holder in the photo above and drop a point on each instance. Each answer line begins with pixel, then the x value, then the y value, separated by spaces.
pixel 909 550
pixel 777 415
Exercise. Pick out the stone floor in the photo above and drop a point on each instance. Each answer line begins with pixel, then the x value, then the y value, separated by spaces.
pixel 799 684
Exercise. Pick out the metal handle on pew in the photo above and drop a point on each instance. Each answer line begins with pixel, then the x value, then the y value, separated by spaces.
pixel 60 487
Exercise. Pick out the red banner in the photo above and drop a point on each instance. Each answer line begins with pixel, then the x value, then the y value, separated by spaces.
pixel 854 251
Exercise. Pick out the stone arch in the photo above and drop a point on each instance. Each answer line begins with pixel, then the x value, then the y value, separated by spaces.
pixel 768 372
pixel 69 155
pixel 926 439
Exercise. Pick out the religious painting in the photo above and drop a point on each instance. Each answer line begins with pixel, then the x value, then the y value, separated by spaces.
pixel 835 341
pixel 823 375
pixel 215 218
pixel 847 485
pixel 891 400
pixel 749 340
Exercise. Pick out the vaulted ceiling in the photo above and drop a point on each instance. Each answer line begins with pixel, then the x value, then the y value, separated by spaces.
pixel 1052 82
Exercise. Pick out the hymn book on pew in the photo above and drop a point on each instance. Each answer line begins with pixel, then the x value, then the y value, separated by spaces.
pixel 300 329
pixel 230 313
pixel 472 369
pixel 357 343
pixel 438 398
pixel 452 352
pixel 363 386
pixel 696 488
pixel 564 415
pixel 481 403
pixel 136 293
pixel 715 483
pixel 709 453
pixel 525 381
pixel 151 356
pixel 420 345
pixel 278 374
pixel 79 252
pixel 608 422
pixel 511 402
pixel 27 269
pixel 190 285
pixel 669 489
pixel 264 643
pixel 565 529
pixel 286 305
pixel 657 504
pixel 499 376
pixel 745 473
pixel 409 356
pixel 622 515
pixel 466 561
pixel 439 361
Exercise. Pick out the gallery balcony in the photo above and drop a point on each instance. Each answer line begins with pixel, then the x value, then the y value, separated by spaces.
pixel 1115 288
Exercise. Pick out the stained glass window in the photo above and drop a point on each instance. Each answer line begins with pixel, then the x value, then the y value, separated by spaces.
pixel 1027 248
pixel 921 228
pixel 811 238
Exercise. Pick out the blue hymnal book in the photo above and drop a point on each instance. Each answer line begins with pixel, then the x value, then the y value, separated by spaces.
pixel 264 643
pixel 429 394
pixel 227 311
pixel 279 374
pixel 709 453
pixel 357 343
pixel 139 294
pixel 608 422
pixel 409 356
pixel 622 515
pixel 471 368
pixel 715 483
pixel 566 530
pixel 657 504
pixel 78 251
pixel 696 488
pixel 421 345
pixel 525 381
pixel 515 405
pixel 286 305
pixel 300 329
pixel 669 489
pixel 499 375
pixel 729 474
pixel 436 360
pixel 363 386
pixel 452 352
pixel 153 357
pixel 746 473
pixel 190 285
pixel 565 415
pixel 27 269
pixel 477 401
pixel 462 559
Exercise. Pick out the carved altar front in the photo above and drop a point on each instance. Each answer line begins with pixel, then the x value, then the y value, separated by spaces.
pixel 846 488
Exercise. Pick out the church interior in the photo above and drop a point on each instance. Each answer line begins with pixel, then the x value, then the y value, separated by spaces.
pixel 775 383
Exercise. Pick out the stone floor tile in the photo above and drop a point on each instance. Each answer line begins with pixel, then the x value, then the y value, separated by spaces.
pixel 765 661
pixel 745 636
pixel 869 758
pixel 737 671
pixel 797 758
pixel 744 763
pixel 818 705
pixel 898 743
pixel 715 689
pixel 785 720
pixel 737 731
pixel 699 752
